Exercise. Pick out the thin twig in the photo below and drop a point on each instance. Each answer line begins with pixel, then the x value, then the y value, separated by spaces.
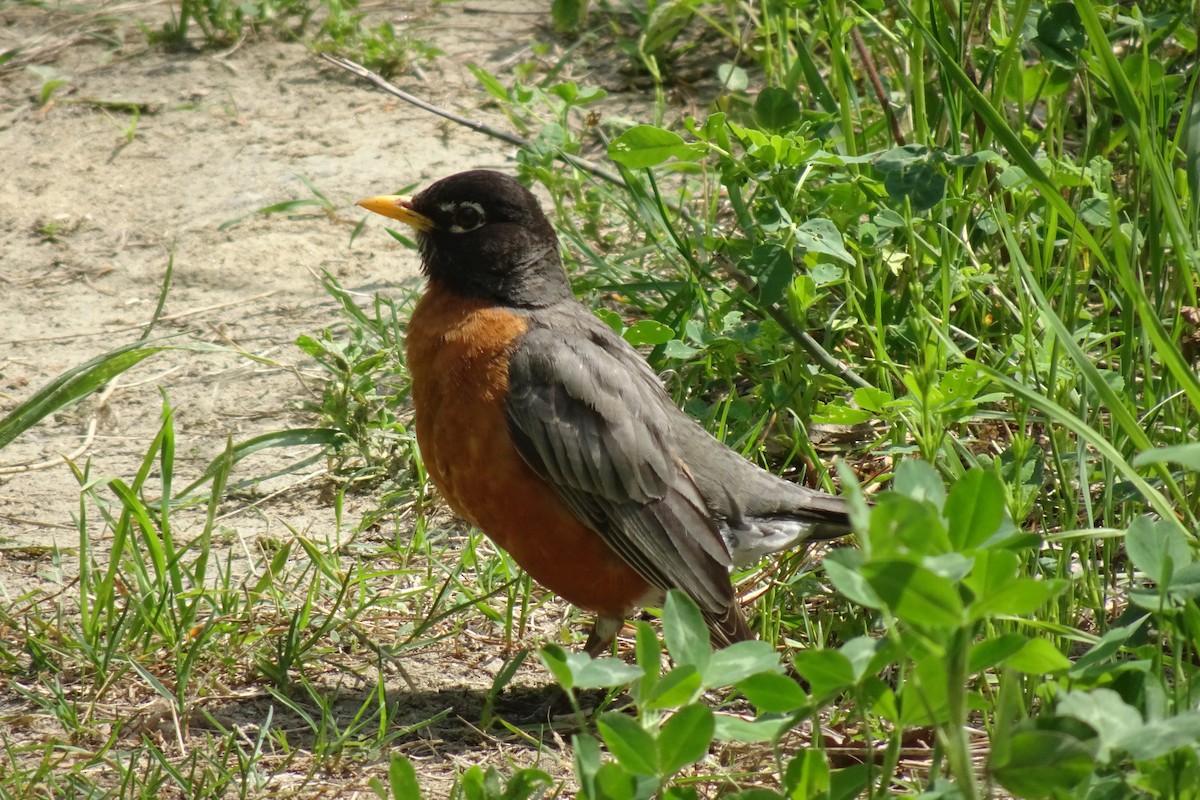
pixel 806 342
pixel 478 127
pixel 880 93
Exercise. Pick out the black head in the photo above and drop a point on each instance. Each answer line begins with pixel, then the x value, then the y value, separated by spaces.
pixel 482 234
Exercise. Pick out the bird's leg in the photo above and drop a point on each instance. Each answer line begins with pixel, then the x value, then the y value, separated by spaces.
pixel 604 633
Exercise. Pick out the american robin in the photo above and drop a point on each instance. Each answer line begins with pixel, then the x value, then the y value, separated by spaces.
pixel 547 431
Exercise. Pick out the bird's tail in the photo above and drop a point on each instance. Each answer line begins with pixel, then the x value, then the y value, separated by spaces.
pixel 750 536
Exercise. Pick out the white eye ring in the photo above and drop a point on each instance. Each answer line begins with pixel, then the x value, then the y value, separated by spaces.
pixel 467 216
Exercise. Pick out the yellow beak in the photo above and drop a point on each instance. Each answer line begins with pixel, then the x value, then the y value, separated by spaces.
pixel 398 206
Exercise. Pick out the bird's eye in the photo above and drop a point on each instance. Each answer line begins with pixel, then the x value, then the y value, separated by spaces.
pixel 467 217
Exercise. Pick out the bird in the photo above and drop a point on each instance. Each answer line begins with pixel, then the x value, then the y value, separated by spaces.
pixel 543 428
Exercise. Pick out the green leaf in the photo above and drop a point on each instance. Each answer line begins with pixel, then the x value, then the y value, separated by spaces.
pixel 1185 583
pixel 685 737
pixel 991 572
pixel 581 671
pixel 604 673
pixel 402 780
pixel 918 480
pixel 772 266
pixel 990 652
pixel 1104 710
pixel 836 412
pixel 902 524
pixel 776 109
pixel 841 567
pixel 1019 598
pixel 1185 455
pixel 738 661
pixel 1060 35
pixel 1037 657
pixel 909 176
pixel 915 594
pixel 925 696
pixel 490 83
pixel 921 185
pixel 898 158
pixel 807 774
pixel 733 78
pixel 555 660
pixel 48 89
pixel 569 16
pixel 872 398
pixel 849 783
pixel 998 589
pixel 974 509
pixel 1039 764
pixel 648 332
pixel 649 658
pixel 677 349
pixel 490 785
pixel 646 146
pixel 678 687
pixel 1104 650
pixel 1191 146
pixel 612 319
pixel 685 631
pixel 736 729
pixel 588 761
pixel 819 235
pixel 667 19
pixel 827 672
pixel 480 785
pixel 1161 737
pixel 1157 548
pixel 630 743
pixel 823 274
pixel 526 783
pixel 774 693
pixel 327 438
pixel 616 782
pixel 863 652
pixel 1097 212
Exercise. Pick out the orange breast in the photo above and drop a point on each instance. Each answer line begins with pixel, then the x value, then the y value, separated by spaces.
pixel 458 353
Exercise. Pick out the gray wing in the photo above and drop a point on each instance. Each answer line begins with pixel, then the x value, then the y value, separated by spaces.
pixel 594 424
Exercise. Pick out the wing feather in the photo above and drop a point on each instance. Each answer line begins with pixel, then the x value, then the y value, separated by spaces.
pixel 597 432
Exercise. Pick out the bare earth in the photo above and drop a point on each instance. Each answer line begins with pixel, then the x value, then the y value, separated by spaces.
pixel 88 222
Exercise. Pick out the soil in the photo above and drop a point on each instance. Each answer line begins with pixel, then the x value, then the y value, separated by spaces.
pixel 93 210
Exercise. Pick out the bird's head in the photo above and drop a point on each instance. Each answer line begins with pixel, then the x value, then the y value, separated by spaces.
pixel 482 234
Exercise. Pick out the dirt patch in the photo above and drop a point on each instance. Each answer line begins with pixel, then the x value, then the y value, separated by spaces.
pixel 90 221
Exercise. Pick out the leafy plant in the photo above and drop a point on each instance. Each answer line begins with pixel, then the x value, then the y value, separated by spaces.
pixel 381 48
pixel 947 574
pixel 51 80
pixel 365 388
pixel 221 22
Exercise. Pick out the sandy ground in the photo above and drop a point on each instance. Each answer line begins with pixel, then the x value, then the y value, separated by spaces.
pixel 90 218
pixel 89 221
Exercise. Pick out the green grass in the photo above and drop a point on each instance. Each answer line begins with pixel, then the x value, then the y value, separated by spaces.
pixel 982 273
pixel 325 25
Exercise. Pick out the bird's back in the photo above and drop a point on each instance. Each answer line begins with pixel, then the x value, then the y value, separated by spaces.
pixel 758 512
